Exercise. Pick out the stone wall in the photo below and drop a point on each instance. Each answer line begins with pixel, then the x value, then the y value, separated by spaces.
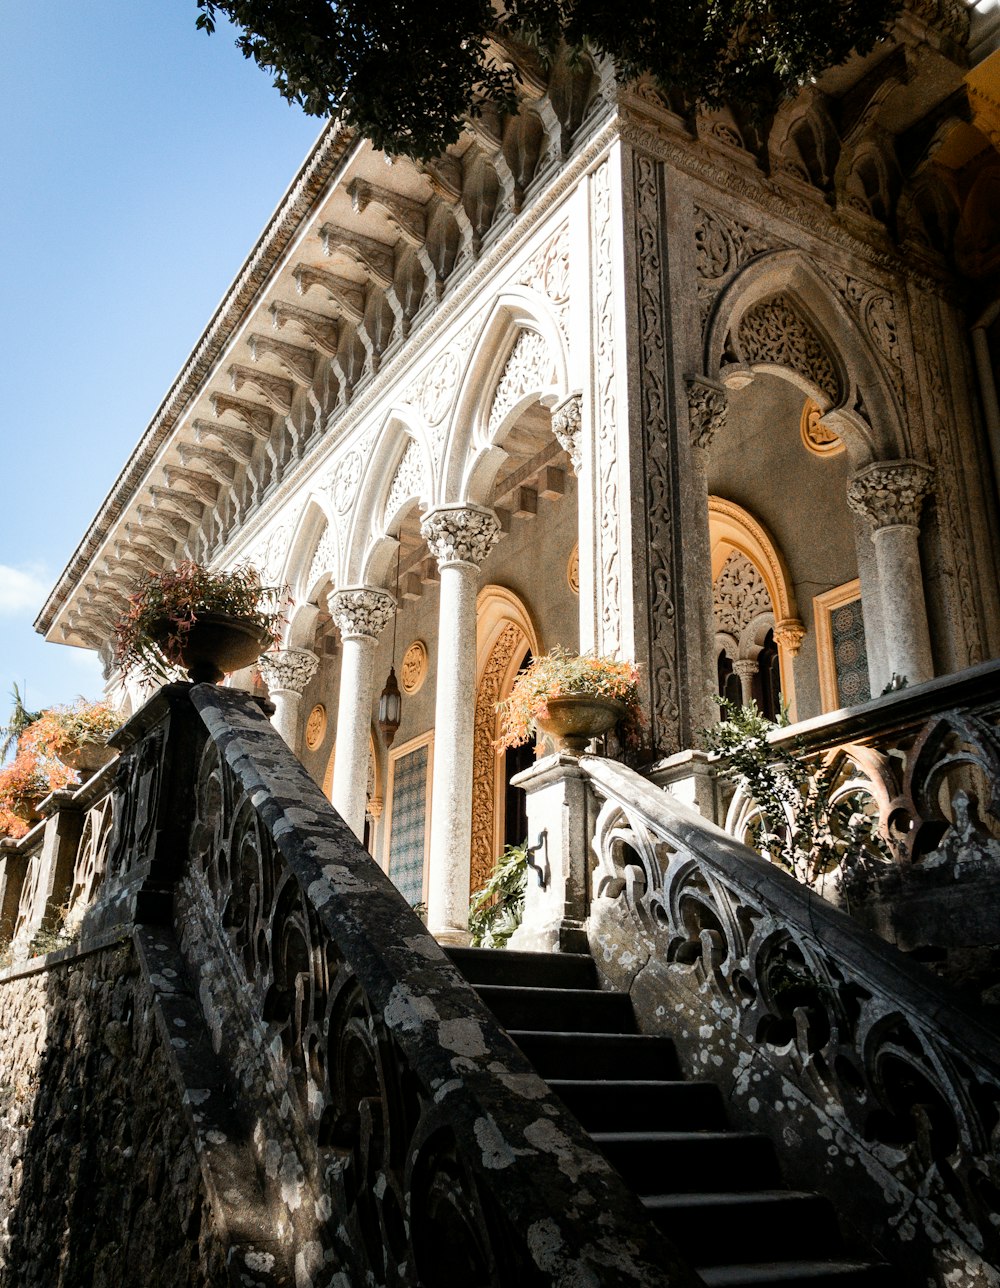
pixel 99 1184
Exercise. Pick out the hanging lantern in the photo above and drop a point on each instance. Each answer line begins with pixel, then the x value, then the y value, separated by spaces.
pixel 390 706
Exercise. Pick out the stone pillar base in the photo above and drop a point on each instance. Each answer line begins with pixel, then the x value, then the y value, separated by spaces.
pixel 561 811
pixel 690 777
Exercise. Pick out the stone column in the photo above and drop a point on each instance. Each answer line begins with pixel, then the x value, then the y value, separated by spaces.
pixel 361 613
pixel 746 669
pixel 460 537
pixel 889 494
pixel 286 673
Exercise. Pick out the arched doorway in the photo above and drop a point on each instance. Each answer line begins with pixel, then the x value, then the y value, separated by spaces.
pixel 505 638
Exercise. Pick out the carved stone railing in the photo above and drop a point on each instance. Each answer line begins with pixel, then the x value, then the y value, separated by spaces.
pixel 51 876
pixel 926 763
pixel 397 1136
pixel 882 1086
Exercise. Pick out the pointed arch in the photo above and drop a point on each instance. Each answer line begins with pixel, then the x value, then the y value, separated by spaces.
pixel 780 316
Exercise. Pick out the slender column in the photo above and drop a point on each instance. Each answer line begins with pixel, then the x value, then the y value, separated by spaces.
pixel 286 673
pixel 889 494
pixel 460 538
pixel 746 669
pixel 361 613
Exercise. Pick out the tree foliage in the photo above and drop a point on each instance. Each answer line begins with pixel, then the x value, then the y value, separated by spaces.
pixel 406 74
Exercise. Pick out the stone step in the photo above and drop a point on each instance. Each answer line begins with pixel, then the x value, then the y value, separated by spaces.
pixel 571 1010
pixel 533 970
pixel 597 1055
pixel 758 1226
pixel 694 1161
pixel 642 1104
pixel 799 1274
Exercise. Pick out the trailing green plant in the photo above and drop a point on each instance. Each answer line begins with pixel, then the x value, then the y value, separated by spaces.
pixel 800 823
pixel 150 636
pixel 561 673
pixel 496 910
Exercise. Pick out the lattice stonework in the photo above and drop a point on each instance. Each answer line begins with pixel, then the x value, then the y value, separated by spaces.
pixel 484 758
pixel 409 824
pixel 850 654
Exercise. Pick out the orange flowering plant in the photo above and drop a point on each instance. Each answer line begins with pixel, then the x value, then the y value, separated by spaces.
pixel 60 731
pixel 23 783
pixel 162 609
pixel 561 673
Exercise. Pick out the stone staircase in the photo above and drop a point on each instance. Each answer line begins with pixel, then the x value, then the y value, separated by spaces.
pixel 716 1193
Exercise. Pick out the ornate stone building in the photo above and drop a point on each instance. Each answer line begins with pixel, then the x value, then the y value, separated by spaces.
pixel 608 375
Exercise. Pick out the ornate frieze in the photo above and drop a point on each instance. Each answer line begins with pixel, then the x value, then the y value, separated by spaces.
pixel 324 560
pixel 774 331
pixel 529 370
pixel 460 534
pixel 890 493
pixel 708 406
pixel 439 386
pixel 288 669
pixel 484 757
pixel 739 596
pixel 361 612
pixel 345 482
pixel 567 422
pixel 608 535
pixel 722 245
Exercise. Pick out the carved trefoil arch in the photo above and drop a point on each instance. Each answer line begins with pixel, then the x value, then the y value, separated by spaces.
pixel 529 370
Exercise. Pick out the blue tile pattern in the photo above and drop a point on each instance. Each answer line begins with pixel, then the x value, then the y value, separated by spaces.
pixel 850 654
pixel 409 818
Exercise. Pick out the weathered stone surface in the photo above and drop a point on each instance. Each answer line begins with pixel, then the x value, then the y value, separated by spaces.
pixel 99 1184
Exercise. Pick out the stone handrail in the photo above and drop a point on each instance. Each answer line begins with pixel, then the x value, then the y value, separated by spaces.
pixel 399 1137
pixel 820 1030
pixel 51 876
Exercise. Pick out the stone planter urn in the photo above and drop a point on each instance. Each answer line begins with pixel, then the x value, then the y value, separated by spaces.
pixel 575 718
pixel 216 644
pixel 88 758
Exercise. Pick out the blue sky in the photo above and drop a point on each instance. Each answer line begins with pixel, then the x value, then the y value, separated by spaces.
pixel 139 160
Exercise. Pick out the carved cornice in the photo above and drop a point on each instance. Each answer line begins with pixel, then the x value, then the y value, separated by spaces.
pixel 323 331
pixel 288 670
pixel 361 612
pixel 567 425
pixel 708 407
pixel 409 218
pixel 375 257
pixel 253 416
pixel 170 499
pixel 299 363
pixel 201 485
pixel 348 296
pixel 239 442
pixel 275 390
pixel 890 494
pixel 460 534
pixel 219 464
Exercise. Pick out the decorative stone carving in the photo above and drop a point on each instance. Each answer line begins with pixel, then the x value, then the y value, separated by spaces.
pixel 664 620
pixel 316 723
pixel 409 480
pixel 739 596
pixel 460 534
pixel 548 270
pixel 288 668
pixel 271 552
pixel 774 331
pixel 567 422
pixel 573 570
pixel 608 536
pixel 361 611
pixel 345 481
pixel 789 635
pixel 816 438
pixel 890 493
pixel 439 387
pixel 529 370
pixel 324 561
pixel 413 669
pixel 708 406
pixel 484 757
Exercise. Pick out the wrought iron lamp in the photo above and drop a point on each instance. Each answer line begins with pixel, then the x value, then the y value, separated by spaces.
pixel 390 703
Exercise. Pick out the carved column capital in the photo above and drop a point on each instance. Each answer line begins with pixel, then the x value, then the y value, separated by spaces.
pixel 361 611
pixel 708 406
pixel 460 534
pixel 567 421
pixel 889 494
pixel 745 667
pixel 288 669
pixel 789 635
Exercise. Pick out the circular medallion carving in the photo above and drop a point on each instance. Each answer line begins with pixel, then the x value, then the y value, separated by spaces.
pixel 413 670
pixel 573 570
pixel 439 387
pixel 316 726
pixel 816 437
pixel 345 481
